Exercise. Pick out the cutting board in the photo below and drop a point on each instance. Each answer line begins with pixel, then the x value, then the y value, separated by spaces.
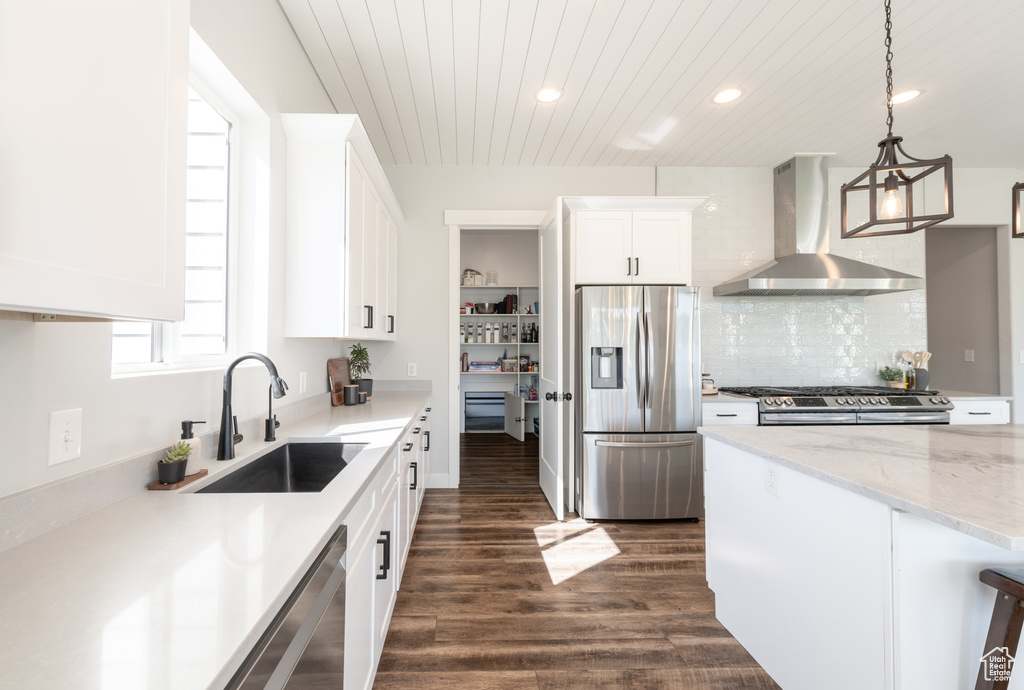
pixel 339 376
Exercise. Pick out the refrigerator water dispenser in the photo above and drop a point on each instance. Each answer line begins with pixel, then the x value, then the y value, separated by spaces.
pixel 606 367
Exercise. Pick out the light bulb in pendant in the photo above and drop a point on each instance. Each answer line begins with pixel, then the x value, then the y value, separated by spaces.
pixel 892 205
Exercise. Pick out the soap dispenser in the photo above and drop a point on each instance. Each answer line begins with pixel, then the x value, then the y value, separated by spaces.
pixel 196 456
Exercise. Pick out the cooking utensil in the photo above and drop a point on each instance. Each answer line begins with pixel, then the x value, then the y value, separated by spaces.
pixel 925 358
pixel 917 359
pixel 908 356
pixel 485 307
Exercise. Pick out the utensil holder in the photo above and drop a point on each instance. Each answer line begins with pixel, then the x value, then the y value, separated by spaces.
pixel 921 379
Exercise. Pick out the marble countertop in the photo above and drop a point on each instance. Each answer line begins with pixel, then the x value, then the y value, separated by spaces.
pixel 171 589
pixel 968 478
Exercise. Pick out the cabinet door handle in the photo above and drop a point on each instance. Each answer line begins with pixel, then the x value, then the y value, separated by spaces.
pixel 979 413
pixel 719 414
pixel 417 430
pixel 408 447
pixel 369 315
pixel 391 323
pixel 428 409
pixel 426 438
pixel 629 266
pixel 636 271
pixel 415 477
pixel 386 543
pixel 423 418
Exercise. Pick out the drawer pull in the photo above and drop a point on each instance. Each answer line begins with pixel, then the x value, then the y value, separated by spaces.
pixel 415 477
pixel 719 414
pixel 417 430
pixel 426 438
pixel 407 447
pixel 979 413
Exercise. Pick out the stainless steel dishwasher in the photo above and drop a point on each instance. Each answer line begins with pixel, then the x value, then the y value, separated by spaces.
pixel 304 646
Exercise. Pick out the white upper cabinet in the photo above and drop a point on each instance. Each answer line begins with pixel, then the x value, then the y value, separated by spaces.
pixel 93 132
pixel 615 247
pixel 342 235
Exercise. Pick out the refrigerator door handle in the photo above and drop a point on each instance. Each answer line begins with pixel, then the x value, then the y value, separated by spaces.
pixel 649 347
pixel 641 364
pixel 652 444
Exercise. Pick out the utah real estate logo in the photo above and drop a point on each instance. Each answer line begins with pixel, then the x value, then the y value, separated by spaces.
pixel 997 664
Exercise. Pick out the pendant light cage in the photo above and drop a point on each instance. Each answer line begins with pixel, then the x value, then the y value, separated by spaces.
pixel 890 195
pixel 911 176
pixel 1018 196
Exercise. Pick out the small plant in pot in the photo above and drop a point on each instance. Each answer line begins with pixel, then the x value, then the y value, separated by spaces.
pixel 359 365
pixel 892 376
pixel 171 469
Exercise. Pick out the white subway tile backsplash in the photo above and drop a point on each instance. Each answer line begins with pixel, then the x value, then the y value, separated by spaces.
pixel 790 340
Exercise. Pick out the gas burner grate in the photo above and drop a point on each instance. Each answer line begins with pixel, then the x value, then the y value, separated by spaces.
pixel 845 391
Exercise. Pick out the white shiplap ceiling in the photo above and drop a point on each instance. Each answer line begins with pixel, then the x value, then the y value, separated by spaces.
pixel 453 82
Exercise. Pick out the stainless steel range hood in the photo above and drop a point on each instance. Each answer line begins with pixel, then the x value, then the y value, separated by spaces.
pixel 802 263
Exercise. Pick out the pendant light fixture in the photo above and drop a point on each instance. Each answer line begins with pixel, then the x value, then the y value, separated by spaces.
pixel 890 193
pixel 1015 219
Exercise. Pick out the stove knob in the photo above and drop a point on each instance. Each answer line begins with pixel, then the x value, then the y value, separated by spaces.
pixel 883 401
pixel 840 401
pixel 769 401
pixel 935 401
pixel 788 401
pixel 945 400
pixel 863 401
pixel 872 401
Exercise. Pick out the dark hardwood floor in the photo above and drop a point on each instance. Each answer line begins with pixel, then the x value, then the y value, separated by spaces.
pixel 497 594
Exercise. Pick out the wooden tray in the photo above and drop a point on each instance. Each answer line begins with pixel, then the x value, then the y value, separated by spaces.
pixel 189 478
pixel 338 375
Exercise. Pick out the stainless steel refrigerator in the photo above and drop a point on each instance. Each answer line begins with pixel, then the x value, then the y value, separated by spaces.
pixel 638 456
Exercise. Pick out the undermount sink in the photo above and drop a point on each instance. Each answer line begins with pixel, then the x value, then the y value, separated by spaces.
pixel 292 468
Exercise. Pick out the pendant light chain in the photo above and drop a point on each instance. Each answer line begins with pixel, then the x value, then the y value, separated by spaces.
pixel 888 61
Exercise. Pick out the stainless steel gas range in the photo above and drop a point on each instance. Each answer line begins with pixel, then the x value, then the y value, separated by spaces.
pixel 846 405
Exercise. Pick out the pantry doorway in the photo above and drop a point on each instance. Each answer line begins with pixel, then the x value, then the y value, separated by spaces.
pixel 494 333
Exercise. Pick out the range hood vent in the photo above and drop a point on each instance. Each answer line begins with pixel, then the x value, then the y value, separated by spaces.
pixel 802 263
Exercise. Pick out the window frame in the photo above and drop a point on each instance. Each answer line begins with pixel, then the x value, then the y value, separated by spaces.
pixel 248 225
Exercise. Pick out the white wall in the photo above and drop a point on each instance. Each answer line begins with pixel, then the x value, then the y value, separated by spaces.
pixel 47 367
pixel 425 193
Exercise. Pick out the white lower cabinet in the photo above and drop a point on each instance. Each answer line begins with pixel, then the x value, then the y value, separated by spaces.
pixel 380 527
pixel 729 414
pixel 980 412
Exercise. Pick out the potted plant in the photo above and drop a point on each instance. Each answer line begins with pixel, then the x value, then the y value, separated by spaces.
pixel 359 365
pixel 171 469
pixel 892 376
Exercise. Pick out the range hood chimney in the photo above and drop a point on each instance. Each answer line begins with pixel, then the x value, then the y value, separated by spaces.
pixel 802 263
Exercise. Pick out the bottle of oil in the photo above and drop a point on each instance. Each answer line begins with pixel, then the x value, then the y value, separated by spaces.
pixel 909 379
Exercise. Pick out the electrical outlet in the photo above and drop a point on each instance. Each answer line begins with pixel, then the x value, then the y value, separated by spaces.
pixel 968 355
pixel 302 382
pixel 412 368
pixel 65 436
pixel 771 478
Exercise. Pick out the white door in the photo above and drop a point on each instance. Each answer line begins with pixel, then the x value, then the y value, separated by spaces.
pixel 515 414
pixel 662 248
pixel 358 196
pixel 603 247
pixel 553 413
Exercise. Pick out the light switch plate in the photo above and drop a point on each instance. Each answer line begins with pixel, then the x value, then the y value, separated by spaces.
pixel 412 368
pixel 65 436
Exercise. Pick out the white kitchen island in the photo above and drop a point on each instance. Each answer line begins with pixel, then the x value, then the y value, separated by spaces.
pixel 848 557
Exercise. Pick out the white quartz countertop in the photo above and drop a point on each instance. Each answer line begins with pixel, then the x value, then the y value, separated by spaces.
pixel 727 398
pixel 171 589
pixel 964 395
pixel 968 478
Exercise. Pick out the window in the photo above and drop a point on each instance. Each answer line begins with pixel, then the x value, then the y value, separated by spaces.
pixel 226 233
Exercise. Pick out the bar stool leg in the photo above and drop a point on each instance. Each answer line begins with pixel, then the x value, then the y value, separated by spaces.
pixel 1003 631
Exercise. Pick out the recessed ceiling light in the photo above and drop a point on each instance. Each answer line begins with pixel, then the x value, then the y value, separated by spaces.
pixel 905 96
pixel 727 96
pixel 548 95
